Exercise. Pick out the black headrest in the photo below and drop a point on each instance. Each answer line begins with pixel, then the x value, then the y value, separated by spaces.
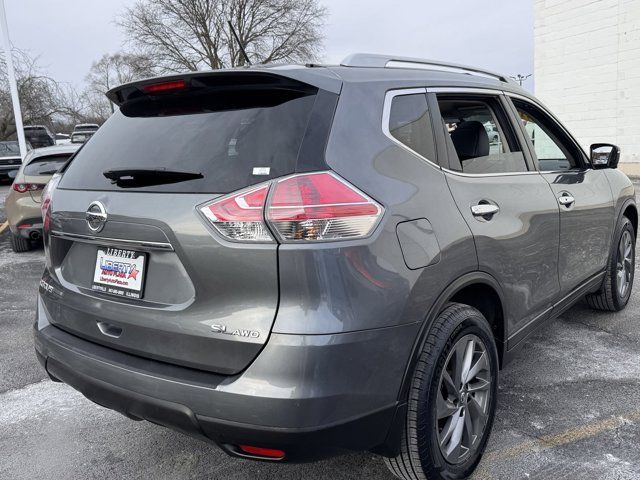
pixel 471 140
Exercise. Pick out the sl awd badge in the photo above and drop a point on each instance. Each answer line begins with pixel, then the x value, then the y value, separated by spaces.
pixel 238 332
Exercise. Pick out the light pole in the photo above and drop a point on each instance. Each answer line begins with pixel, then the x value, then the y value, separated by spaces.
pixel 520 78
pixel 13 87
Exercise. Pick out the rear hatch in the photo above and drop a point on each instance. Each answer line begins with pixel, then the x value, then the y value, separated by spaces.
pixel 155 279
pixel 39 170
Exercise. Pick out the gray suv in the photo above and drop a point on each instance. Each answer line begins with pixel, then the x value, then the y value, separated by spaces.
pixel 297 261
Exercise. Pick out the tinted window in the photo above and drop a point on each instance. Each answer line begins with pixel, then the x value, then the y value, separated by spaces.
pixel 479 136
pixel 45 165
pixel 409 123
pixel 233 139
pixel 545 136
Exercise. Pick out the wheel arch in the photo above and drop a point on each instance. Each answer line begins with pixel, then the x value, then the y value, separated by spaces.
pixel 477 289
pixel 630 211
pixel 464 289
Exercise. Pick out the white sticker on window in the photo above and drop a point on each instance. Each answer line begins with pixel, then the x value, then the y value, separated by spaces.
pixel 261 170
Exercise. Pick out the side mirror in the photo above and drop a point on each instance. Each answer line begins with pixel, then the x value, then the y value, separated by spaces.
pixel 604 155
pixel 12 174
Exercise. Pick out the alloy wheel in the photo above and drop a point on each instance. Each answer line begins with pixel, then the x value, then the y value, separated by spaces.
pixel 463 400
pixel 625 263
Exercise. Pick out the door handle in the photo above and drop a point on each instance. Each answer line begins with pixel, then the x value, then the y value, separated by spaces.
pixel 566 200
pixel 484 210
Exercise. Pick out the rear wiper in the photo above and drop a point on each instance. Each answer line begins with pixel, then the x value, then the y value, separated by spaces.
pixel 147 177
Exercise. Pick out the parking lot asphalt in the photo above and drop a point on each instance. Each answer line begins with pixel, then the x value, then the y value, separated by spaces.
pixel 568 408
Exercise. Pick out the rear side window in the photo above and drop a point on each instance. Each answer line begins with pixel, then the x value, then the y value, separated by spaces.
pixel 232 139
pixel 409 123
pixel 47 165
pixel 479 136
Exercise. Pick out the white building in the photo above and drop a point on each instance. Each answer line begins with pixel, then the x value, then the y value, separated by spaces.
pixel 587 69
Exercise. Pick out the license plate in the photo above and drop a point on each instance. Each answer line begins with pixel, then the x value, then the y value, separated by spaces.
pixel 119 272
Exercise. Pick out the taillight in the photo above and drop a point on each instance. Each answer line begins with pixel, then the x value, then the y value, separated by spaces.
pixel 169 86
pixel 305 207
pixel 45 206
pixel 25 187
pixel 321 206
pixel 240 216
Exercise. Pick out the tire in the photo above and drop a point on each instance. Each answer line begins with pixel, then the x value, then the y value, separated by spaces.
pixel 494 140
pixel 609 297
pixel 421 457
pixel 19 244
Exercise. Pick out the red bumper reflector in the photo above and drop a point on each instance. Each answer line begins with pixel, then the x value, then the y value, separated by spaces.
pixel 262 452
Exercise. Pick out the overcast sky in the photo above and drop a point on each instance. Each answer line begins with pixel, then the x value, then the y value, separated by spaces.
pixel 68 35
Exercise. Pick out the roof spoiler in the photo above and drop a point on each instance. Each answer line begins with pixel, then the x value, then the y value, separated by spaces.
pixel 297 78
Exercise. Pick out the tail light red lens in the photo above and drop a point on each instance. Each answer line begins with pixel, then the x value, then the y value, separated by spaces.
pixel 240 216
pixel 165 86
pixel 321 206
pixel 47 195
pixel 25 187
pixel 307 207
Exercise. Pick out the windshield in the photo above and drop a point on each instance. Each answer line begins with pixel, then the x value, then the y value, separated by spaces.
pixel 230 140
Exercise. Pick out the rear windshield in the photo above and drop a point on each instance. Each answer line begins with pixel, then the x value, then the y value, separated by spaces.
pixel 47 165
pixel 232 139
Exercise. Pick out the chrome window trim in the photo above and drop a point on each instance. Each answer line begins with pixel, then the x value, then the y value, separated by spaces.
pixel 391 94
pixel 480 175
pixel 386 113
pixel 79 237
pixel 479 90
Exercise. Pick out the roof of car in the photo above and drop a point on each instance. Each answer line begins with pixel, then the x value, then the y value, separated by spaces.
pixel 356 68
pixel 55 150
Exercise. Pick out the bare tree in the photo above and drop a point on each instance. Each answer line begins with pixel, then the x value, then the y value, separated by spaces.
pixel 40 95
pixel 44 101
pixel 193 34
pixel 112 70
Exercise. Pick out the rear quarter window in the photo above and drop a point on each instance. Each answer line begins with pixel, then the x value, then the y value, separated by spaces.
pixel 410 124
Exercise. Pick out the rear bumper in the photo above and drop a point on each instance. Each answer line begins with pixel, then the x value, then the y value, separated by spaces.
pixel 23 215
pixel 322 401
pixel 30 228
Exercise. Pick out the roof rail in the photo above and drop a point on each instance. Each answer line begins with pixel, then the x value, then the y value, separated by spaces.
pixel 373 60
